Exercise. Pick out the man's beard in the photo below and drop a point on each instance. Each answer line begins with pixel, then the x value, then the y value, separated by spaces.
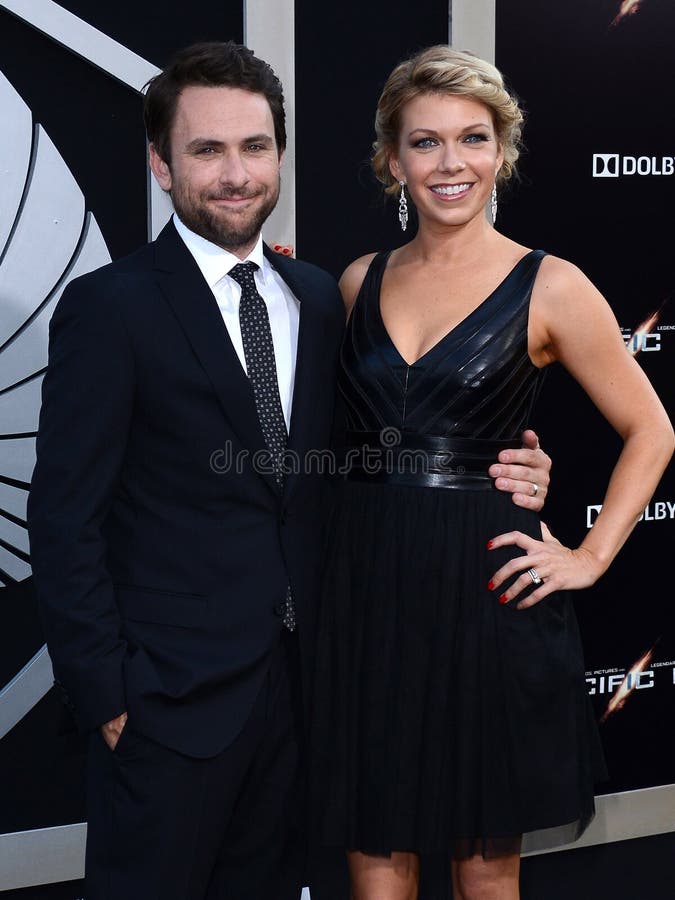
pixel 232 234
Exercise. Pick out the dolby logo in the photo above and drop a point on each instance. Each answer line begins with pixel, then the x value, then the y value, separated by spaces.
pixel 606 165
pixel 656 511
pixel 613 165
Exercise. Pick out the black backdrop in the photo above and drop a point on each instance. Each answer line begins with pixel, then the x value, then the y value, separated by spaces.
pixel 590 88
pixel 344 52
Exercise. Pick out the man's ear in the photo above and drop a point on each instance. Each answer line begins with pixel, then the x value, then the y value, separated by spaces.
pixel 160 168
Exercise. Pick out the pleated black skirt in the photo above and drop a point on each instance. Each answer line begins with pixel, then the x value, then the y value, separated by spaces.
pixel 443 721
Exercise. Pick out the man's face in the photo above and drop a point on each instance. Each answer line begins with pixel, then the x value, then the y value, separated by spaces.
pixel 224 171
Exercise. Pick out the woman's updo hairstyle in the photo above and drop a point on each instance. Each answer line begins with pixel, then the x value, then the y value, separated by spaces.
pixel 442 70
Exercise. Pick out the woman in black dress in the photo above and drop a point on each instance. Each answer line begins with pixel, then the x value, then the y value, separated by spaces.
pixel 451 713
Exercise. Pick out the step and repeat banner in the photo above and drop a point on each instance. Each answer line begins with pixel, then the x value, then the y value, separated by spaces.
pixel 598 188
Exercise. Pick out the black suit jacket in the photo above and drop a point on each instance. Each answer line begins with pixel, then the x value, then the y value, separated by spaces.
pixel 160 552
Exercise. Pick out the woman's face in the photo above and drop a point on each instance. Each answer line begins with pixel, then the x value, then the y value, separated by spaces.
pixel 448 156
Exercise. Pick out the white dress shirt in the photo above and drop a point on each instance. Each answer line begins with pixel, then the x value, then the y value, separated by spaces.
pixel 282 306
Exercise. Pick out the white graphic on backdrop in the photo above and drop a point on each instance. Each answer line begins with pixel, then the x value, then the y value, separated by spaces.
pixel 627 8
pixel 613 165
pixel 38 192
pixel 605 165
pixel 106 54
pixel 46 238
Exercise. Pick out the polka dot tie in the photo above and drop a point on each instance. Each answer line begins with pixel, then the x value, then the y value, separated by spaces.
pixel 256 336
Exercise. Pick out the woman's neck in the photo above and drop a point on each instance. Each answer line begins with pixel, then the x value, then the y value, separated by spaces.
pixel 434 244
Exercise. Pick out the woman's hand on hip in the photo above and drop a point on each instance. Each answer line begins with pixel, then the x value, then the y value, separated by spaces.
pixel 547 564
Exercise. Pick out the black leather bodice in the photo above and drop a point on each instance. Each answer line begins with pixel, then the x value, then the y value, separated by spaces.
pixel 476 382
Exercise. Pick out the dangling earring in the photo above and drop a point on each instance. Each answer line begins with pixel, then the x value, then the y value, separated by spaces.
pixel 493 204
pixel 403 207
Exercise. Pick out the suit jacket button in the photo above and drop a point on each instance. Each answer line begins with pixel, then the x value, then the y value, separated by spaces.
pixel 280 608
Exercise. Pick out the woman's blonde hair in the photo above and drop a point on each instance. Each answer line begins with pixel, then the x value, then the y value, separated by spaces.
pixel 442 70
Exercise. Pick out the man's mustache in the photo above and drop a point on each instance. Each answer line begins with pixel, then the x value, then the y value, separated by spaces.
pixel 234 195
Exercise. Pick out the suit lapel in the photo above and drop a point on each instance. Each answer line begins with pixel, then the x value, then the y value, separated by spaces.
pixel 197 312
pixel 310 343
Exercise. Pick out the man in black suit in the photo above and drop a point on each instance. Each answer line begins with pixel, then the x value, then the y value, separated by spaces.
pixel 164 538
pixel 175 556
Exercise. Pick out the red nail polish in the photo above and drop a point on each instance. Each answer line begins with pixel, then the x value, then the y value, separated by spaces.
pixel 491 585
pixel 503 599
pixel 489 545
pixel 286 251
pixel 277 247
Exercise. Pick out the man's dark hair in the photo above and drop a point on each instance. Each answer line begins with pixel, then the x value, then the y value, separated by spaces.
pixel 209 64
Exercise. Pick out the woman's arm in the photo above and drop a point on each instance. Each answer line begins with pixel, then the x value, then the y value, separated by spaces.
pixel 571 322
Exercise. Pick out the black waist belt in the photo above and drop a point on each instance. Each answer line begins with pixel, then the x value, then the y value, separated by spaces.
pixel 394 457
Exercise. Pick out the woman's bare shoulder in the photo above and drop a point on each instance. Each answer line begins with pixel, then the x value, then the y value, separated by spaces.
pixel 352 279
pixel 559 276
pixel 568 313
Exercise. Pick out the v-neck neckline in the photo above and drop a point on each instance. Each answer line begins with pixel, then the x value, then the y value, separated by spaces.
pixel 455 328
